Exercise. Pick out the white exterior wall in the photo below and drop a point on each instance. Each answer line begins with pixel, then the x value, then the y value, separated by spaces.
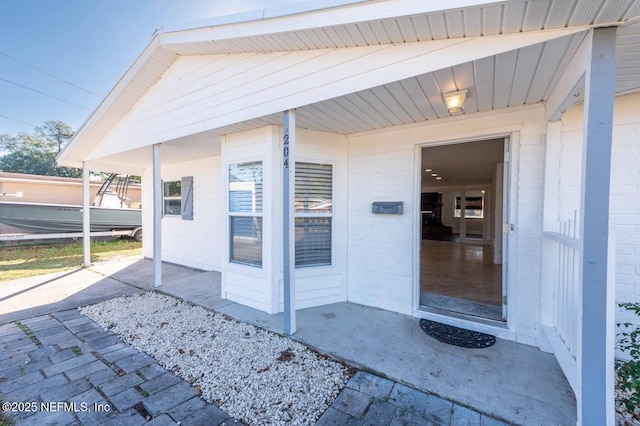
pixel 321 285
pixel 383 255
pixel 262 288
pixel 249 285
pixel 624 213
pixel 195 243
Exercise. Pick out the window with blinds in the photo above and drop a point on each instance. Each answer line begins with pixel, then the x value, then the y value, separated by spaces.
pixel 245 213
pixel 313 214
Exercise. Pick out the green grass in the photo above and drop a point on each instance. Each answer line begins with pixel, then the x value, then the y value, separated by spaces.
pixel 31 260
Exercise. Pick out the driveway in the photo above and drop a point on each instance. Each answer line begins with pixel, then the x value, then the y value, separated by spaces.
pixel 43 294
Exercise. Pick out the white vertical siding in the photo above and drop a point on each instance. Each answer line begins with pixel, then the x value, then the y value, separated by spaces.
pixel 382 250
pixel 195 243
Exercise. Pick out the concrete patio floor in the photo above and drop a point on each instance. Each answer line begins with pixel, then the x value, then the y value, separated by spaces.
pixel 515 382
pixel 511 381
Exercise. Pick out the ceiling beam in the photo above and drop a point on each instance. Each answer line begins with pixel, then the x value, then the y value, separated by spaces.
pixel 571 83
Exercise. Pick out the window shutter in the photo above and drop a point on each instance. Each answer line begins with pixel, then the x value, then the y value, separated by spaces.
pixel 187 198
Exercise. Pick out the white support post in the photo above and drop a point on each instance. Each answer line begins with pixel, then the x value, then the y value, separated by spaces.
pixel 157 218
pixel 288 221
pixel 595 399
pixel 86 216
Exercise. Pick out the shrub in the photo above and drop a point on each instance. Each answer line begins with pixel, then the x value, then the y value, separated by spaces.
pixel 629 371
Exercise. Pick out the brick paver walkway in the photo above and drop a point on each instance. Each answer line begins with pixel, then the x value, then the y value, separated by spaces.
pixel 65 369
pixel 68 370
pixel 373 400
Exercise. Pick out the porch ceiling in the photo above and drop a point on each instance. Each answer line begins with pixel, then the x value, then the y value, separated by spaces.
pixel 520 77
pixel 380 22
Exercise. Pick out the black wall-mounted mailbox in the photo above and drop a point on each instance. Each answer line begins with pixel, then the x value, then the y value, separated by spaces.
pixel 387 207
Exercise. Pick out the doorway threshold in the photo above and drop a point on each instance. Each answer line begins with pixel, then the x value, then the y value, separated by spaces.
pixel 464 317
pixel 461 306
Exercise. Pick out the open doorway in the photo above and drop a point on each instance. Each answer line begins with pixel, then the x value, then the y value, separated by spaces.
pixel 461 210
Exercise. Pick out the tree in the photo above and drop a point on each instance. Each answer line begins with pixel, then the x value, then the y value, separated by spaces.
pixel 36 154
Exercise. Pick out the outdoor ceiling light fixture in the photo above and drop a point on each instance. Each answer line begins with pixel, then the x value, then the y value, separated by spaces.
pixel 6 194
pixel 455 100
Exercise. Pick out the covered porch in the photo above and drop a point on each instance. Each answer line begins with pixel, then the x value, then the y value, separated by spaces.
pixel 511 381
pixel 376 84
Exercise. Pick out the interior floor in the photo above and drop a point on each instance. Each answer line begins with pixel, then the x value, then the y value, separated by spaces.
pixel 461 278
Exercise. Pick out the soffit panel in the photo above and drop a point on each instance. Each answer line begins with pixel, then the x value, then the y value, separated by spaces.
pixel 497 81
pixel 504 18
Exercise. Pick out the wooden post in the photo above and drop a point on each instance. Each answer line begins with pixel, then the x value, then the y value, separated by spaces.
pixel 288 221
pixel 86 216
pixel 595 404
pixel 157 217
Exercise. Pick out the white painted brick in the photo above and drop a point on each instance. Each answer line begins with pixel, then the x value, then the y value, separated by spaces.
pixel 622 289
pixel 627 278
pixel 622 249
pixel 627 268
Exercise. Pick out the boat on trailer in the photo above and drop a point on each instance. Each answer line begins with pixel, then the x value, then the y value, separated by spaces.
pixel 110 212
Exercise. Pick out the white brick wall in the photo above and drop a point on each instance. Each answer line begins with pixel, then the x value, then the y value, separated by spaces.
pixel 383 250
pixel 624 198
pixel 624 208
pixel 380 247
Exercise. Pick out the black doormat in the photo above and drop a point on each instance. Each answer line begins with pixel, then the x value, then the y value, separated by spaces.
pixel 456 336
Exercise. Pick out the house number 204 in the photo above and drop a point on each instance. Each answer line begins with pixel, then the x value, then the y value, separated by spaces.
pixel 285 150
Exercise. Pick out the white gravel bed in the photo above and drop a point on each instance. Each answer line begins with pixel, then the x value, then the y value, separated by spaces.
pixel 252 374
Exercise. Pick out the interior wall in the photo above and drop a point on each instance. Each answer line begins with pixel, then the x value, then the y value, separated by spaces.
pixel 448 203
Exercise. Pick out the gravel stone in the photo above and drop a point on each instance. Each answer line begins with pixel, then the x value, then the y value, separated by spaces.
pixel 254 375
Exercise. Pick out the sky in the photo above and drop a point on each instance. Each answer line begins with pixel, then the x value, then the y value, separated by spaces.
pixel 59 58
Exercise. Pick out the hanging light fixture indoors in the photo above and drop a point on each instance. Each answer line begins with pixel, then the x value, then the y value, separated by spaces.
pixel 455 100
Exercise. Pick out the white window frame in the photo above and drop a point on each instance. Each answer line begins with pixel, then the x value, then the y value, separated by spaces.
pixel 252 214
pixel 171 198
pixel 458 212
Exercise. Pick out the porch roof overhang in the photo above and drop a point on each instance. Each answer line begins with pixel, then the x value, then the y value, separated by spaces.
pixel 366 66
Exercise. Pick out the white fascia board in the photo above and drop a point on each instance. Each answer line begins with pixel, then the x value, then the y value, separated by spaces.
pixel 315 15
pixel 259 14
pixel 72 155
pixel 571 83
